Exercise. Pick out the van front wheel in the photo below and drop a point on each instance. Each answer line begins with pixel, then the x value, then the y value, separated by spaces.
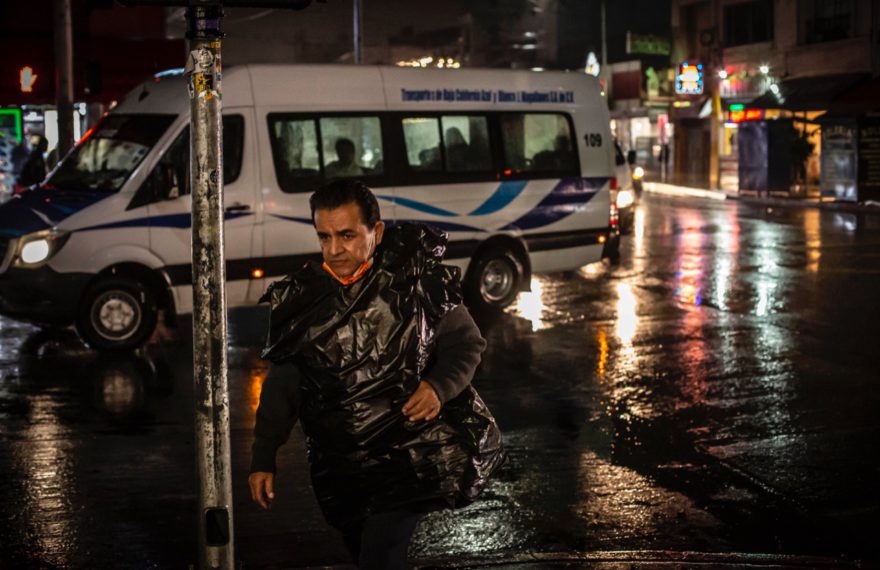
pixel 117 313
pixel 494 280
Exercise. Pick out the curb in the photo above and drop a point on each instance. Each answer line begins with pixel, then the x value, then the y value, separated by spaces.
pixel 854 208
pixel 673 190
pixel 685 191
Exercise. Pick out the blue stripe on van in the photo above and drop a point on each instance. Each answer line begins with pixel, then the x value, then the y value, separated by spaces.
pixel 570 195
pixel 293 219
pixel 421 207
pixel 504 195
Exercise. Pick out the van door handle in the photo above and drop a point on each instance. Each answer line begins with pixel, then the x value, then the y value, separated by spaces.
pixel 238 208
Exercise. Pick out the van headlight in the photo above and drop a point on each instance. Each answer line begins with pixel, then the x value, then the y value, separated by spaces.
pixel 625 198
pixel 37 248
pixel 638 173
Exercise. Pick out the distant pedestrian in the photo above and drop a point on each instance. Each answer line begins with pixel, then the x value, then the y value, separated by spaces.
pixel 18 156
pixel 664 162
pixel 34 169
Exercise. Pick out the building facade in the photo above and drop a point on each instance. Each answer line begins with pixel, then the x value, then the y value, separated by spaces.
pixel 770 70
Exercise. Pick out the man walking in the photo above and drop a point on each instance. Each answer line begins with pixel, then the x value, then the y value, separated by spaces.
pixel 384 353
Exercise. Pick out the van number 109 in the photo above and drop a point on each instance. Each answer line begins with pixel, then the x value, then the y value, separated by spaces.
pixel 593 139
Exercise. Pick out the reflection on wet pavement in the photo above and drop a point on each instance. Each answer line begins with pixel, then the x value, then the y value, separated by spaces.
pixel 714 391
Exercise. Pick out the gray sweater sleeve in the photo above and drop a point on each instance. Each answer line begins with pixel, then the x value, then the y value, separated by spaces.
pixel 276 415
pixel 457 351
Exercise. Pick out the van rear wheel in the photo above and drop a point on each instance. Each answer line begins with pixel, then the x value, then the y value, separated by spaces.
pixel 117 313
pixel 493 280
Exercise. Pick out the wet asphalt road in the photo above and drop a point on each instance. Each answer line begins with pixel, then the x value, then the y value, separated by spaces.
pixel 716 391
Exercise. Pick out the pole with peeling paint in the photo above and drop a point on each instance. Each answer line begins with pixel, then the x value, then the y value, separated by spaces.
pixel 209 290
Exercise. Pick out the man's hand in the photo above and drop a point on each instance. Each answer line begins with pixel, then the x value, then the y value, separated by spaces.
pixel 261 488
pixel 423 404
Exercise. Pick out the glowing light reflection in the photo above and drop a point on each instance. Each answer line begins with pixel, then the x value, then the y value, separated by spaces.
pixel 765 297
pixel 638 232
pixel 813 237
pixel 726 260
pixel 531 307
pixel 602 361
pixel 592 269
pixel 255 385
pixel 689 277
pixel 49 463
pixel 626 314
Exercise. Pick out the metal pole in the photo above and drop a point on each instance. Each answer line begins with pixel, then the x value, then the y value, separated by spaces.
pixel 604 40
pixel 209 286
pixel 711 79
pixel 604 72
pixel 64 74
pixel 358 30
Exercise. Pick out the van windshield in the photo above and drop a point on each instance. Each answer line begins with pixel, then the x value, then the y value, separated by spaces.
pixel 108 154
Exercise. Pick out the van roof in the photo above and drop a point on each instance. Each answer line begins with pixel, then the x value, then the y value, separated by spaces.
pixel 364 87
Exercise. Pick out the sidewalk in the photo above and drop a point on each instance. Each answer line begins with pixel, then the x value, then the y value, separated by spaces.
pixel 685 191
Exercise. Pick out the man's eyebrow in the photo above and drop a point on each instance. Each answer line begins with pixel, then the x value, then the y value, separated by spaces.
pixel 339 232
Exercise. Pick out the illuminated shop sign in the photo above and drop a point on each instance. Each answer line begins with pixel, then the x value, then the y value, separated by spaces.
pixel 746 115
pixel 689 80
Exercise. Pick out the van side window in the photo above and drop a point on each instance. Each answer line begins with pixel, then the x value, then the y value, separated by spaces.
pixel 296 152
pixel 352 146
pixel 421 136
pixel 538 144
pixel 450 143
pixel 169 179
pixel 466 141
pixel 233 147
pixel 308 151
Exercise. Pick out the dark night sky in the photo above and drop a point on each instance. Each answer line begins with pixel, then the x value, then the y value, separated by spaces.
pixel 580 28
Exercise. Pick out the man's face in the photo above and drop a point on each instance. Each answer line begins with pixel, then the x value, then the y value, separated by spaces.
pixel 346 241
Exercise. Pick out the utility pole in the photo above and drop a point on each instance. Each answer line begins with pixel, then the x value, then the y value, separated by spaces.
pixel 203 73
pixel 64 74
pixel 358 30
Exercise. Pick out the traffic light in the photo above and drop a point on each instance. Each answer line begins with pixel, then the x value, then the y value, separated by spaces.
pixel 26 79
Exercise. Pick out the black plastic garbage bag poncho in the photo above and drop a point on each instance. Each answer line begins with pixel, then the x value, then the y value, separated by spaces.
pixel 361 350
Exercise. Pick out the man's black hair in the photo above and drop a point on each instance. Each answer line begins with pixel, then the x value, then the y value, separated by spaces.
pixel 345 191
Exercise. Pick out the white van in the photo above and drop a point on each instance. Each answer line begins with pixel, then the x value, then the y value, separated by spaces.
pixel 516 166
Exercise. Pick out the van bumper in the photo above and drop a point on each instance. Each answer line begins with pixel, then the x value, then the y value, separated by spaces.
pixel 41 295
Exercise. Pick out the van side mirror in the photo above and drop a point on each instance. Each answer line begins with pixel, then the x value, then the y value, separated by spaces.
pixel 631 157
